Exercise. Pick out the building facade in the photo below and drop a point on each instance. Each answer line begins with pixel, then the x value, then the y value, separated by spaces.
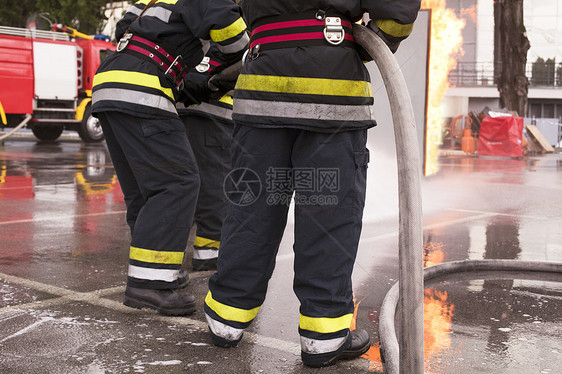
pixel 472 81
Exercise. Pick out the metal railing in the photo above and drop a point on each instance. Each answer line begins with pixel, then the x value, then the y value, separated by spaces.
pixel 483 74
pixel 32 33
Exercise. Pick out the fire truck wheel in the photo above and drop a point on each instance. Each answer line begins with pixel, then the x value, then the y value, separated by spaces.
pixel 48 133
pixel 90 130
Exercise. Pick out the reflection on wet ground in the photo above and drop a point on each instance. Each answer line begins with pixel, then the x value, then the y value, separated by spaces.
pixel 64 252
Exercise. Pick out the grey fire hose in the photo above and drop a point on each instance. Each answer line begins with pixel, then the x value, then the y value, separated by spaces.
pixel 410 355
pixel 407 357
pixel 22 124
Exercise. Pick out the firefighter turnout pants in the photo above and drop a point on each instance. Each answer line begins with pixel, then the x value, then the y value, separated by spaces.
pixel 159 178
pixel 327 173
pixel 210 139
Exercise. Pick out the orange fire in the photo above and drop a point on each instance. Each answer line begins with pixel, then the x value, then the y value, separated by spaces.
pixel 433 254
pixel 438 313
pixel 445 43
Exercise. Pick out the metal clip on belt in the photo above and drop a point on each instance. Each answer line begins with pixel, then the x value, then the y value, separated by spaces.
pixel 123 42
pixel 174 68
pixel 334 32
pixel 204 65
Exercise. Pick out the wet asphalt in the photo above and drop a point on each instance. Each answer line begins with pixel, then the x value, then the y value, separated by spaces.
pixel 64 251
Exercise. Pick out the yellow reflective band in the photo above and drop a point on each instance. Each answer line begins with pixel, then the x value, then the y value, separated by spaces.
pixel 131 77
pixel 394 28
pixel 156 257
pixel 325 325
pixel 227 99
pixel 307 86
pixel 145 2
pixel 230 313
pixel 204 242
pixel 228 32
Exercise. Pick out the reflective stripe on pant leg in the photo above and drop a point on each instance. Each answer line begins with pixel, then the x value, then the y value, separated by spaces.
pixel 222 330
pixel 226 321
pixel 154 265
pixel 323 335
pixel 205 249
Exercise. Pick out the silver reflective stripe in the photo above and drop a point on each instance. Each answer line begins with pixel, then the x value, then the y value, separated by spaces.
pixel 316 346
pixel 161 13
pixel 135 97
pixel 133 9
pixel 205 254
pixel 285 109
pixel 237 46
pixel 165 275
pixel 222 330
pixel 206 44
pixel 212 109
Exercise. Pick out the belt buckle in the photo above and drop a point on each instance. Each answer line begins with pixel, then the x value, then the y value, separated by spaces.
pixel 177 60
pixel 123 42
pixel 333 32
pixel 204 65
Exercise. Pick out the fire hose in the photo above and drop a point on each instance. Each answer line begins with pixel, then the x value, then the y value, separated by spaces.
pixel 22 124
pixel 409 358
pixel 407 294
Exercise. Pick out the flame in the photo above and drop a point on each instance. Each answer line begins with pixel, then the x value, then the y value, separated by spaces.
pixel 471 12
pixel 354 319
pixel 445 43
pixel 438 314
pixel 433 253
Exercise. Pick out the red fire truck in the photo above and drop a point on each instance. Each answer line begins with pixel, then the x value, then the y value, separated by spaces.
pixel 46 80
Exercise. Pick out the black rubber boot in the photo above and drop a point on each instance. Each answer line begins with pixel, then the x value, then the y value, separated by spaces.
pixel 221 342
pixel 183 278
pixel 357 343
pixel 169 302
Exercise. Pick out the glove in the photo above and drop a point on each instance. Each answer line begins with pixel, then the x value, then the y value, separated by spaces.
pixel 225 80
pixel 390 41
pixel 219 87
pixel 195 91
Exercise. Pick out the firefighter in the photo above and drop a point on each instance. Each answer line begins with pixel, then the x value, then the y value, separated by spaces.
pixel 209 130
pixel 302 107
pixel 135 91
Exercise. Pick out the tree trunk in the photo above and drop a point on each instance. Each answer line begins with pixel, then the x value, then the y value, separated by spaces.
pixel 510 55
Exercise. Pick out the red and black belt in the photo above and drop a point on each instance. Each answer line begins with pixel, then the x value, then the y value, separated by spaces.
pixel 173 67
pixel 207 65
pixel 319 29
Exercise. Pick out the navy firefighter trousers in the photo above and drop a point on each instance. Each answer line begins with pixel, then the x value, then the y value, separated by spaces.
pixel 326 172
pixel 159 178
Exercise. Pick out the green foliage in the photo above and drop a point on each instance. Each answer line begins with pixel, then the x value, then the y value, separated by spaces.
pixel 84 15
pixel 16 12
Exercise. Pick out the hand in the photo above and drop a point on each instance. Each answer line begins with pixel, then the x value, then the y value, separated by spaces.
pixel 195 92
pixel 391 42
pixel 219 87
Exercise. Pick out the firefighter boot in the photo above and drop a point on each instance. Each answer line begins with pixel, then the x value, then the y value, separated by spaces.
pixel 222 342
pixel 356 345
pixel 183 278
pixel 172 302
